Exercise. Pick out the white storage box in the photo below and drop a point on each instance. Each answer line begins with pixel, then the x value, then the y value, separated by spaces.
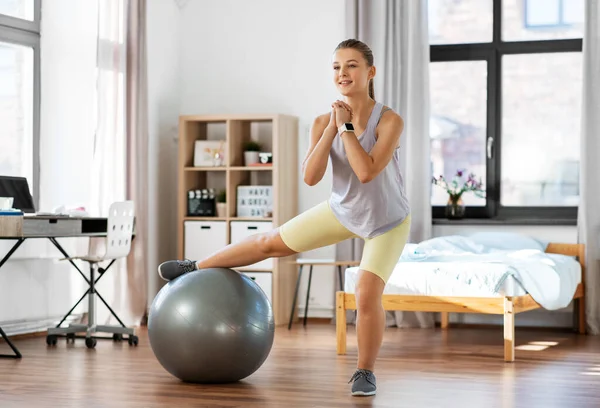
pixel 254 201
pixel 263 279
pixel 203 238
pixel 243 229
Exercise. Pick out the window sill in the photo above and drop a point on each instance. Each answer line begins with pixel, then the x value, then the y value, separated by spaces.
pixel 507 221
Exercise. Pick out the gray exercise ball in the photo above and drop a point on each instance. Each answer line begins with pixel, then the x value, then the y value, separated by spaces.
pixel 213 325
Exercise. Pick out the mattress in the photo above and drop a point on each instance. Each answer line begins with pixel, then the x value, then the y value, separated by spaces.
pixel 467 279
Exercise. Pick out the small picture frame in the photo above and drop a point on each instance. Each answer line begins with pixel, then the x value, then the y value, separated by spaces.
pixel 210 153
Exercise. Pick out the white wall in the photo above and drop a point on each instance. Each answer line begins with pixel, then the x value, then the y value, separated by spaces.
pixel 35 288
pixel 163 112
pixel 265 56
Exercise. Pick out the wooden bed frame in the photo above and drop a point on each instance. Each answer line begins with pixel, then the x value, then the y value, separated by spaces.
pixel 507 306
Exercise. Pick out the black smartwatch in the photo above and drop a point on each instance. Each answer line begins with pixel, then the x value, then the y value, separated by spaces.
pixel 346 127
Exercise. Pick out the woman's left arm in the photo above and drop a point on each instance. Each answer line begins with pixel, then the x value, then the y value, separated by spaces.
pixel 367 166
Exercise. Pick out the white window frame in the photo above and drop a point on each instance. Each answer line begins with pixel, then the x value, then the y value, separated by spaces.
pixel 27 33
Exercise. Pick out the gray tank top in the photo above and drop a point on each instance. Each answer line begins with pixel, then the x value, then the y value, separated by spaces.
pixel 373 208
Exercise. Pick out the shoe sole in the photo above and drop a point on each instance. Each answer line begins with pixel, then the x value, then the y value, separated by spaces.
pixel 363 393
pixel 160 274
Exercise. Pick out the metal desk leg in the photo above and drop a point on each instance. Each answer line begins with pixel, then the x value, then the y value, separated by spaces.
pixel 295 298
pixel 307 294
pixel 4 336
pixel 12 346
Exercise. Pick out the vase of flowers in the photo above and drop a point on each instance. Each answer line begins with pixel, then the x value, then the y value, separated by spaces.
pixel 455 208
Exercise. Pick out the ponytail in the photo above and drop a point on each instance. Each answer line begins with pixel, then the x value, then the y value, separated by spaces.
pixel 371 90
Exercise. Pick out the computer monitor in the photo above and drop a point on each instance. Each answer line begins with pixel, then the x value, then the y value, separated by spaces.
pixel 18 188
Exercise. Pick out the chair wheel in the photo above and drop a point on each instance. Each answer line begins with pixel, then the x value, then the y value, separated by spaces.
pixel 117 337
pixel 133 340
pixel 51 340
pixel 90 342
pixel 71 337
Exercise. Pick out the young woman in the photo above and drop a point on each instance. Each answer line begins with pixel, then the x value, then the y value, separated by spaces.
pixel 361 137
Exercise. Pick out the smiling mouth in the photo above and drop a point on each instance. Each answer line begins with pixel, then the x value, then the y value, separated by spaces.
pixel 344 83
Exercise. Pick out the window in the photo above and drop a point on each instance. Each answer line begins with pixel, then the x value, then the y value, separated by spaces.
pixel 20 90
pixel 552 13
pixel 506 83
pixel 22 9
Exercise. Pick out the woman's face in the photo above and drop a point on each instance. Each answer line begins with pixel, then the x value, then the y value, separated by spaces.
pixel 351 74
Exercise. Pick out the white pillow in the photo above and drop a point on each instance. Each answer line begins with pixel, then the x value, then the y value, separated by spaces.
pixel 449 244
pixel 508 241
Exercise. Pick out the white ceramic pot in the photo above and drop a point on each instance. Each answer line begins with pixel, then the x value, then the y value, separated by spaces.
pixel 250 158
pixel 221 210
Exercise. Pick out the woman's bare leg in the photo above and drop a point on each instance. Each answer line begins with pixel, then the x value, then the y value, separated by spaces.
pixel 312 229
pixel 252 249
pixel 370 318
pixel 370 325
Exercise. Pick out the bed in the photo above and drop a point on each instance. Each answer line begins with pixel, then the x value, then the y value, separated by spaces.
pixel 505 276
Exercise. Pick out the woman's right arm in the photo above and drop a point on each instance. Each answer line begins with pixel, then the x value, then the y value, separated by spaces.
pixel 322 134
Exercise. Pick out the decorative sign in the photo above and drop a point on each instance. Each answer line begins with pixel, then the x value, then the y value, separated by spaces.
pixel 254 201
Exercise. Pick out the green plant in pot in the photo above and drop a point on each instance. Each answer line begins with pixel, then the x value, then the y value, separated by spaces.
pixel 251 149
pixel 456 188
pixel 222 203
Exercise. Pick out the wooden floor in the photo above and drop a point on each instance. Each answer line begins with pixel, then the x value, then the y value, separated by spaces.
pixel 417 368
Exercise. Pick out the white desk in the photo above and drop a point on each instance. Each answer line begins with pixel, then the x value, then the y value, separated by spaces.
pixel 51 228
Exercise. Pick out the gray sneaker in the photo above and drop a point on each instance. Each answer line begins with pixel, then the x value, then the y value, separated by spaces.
pixel 173 269
pixel 364 383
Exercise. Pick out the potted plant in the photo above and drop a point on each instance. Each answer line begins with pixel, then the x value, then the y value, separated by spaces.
pixel 222 204
pixel 455 209
pixel 251 149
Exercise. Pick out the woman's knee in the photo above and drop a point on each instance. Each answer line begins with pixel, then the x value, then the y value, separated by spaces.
pixel 369 291
pixel 271 244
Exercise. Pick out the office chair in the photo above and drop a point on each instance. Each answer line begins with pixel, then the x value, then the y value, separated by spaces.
pixel 120 223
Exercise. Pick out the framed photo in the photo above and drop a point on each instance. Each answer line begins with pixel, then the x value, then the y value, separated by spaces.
pixel 209 153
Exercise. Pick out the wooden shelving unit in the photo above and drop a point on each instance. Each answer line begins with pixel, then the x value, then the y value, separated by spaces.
pixel 277 134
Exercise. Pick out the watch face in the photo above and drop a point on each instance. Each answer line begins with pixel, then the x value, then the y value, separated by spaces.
pixel 350 127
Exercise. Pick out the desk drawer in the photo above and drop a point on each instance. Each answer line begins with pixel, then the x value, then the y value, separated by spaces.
pixel 33 227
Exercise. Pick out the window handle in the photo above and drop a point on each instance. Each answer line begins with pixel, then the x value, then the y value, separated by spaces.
pixel 490 143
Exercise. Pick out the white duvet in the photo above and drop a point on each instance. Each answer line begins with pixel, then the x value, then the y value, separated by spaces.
pixel 462 266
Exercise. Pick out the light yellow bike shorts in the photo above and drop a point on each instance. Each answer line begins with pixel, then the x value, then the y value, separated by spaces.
pixel 318 227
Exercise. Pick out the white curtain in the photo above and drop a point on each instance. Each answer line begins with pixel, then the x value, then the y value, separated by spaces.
pixel 119 164
pixel 135 295
pixel 397 32
pixel 589 209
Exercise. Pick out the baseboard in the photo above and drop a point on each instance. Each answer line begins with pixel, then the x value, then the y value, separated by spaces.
pixel 493 326
pixel 26 327
pixel 534 318
pixel 561 319
pixel 319 312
